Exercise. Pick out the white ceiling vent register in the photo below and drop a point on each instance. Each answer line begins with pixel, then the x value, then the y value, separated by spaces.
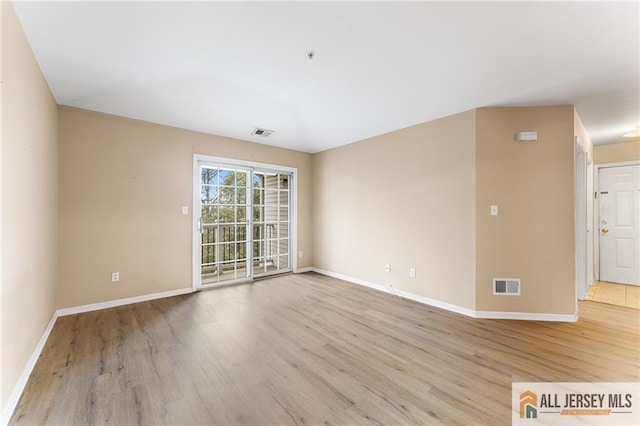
pixel 506 286
pixel 261 132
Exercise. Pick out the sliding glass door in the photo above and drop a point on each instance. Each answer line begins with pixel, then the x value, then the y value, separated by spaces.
pixel 243 229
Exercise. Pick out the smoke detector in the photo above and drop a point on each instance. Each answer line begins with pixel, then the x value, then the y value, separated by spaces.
pixel 261 132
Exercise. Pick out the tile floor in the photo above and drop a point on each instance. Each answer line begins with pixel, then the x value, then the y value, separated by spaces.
pixel 615 294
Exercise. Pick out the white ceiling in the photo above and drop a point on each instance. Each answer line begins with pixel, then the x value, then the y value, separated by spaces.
pixel 226 68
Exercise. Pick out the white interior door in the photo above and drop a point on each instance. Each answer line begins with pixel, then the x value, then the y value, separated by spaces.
pixel 619 195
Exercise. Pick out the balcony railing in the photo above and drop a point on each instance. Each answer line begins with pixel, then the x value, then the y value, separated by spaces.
pixel 224 246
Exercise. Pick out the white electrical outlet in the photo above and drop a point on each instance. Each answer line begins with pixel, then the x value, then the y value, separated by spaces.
pixel 115 276
pixel 412 272
pixel 387 268
pixel 300 254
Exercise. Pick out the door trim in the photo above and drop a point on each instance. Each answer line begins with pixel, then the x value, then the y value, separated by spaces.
pixel 195 206
pixel 596 210
pixel 580 217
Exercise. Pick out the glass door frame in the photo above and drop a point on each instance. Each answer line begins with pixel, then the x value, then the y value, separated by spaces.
pixel 200 160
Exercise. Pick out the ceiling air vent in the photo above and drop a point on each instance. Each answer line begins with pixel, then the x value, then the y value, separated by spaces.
pixel 506 286
pixel 261 132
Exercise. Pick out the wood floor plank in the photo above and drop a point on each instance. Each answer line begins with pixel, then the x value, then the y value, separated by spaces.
pixel 309 349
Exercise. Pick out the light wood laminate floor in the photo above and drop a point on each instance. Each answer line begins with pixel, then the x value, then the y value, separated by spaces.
pixel 308 349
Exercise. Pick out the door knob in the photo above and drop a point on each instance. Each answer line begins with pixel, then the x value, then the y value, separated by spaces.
pixel 605 230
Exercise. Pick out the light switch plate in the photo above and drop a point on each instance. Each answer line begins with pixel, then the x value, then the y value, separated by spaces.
pixel 185 210
pixel 494 210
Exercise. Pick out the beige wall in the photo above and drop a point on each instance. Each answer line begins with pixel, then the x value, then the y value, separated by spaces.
pixel 616 153
pixel 122 185
pixel 532 183
pixel 405 198
pixel 29 208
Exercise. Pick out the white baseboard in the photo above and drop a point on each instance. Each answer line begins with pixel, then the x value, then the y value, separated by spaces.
pixel 332 274
pixel 14 398
pixel 451 307
pixel 121 302
pixel 438 304
pixel 303 270
pixel 403 294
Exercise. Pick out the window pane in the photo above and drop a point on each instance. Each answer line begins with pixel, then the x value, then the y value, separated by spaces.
pixel 257 249
pixel 209 194
pixel 282 262
pixel 227 195
pixel 258 196
pixel 283 230
pixel 227 251
pixel 271 197
pixel 271 181
pixel 258 180
pixel 283 181
pixel 226 233
pixel 209 234
pixel 227 177
pixel 242 196
pixel 241 214
pixel 209 214
pixel 259 232
pixel 284 198
pixel 241 233
pixel 258 214
pixel 284 214
pixel 208 257
pixel 241 251
pixel 226 214
pixel 209 176
pixel 241 179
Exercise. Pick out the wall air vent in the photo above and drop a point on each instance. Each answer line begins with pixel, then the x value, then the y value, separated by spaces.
pixel 506 286
pixel 261 132
pixel 527 136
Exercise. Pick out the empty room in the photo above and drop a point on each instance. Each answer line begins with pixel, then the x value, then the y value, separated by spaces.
pixel 339 213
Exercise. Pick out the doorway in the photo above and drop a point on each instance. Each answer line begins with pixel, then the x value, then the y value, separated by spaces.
pixel 243 220
pixel 619 224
